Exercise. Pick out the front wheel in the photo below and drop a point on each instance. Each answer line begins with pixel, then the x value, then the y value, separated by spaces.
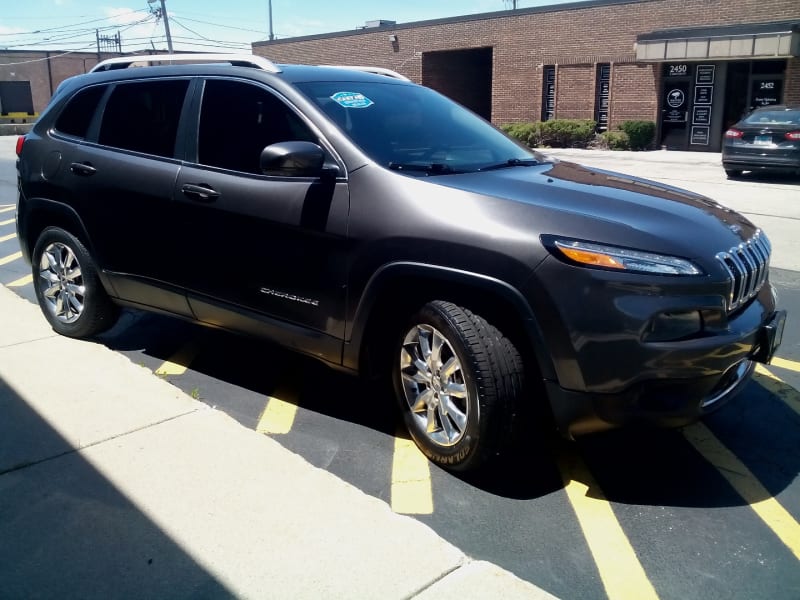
pixel 67 286
pixel 458 380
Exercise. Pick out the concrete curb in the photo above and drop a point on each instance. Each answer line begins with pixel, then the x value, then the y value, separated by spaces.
pixel 15 128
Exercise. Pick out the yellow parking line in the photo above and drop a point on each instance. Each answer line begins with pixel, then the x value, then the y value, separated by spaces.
pixel 746 485
pixel 783 363
pixel 778 387
pixel 277 417
pixel 5 238
pixel 9 222
pixel 10 258
pixel 411 478
pixel 178 362
pixel 7 208
pixel 21 281
pixel 620 570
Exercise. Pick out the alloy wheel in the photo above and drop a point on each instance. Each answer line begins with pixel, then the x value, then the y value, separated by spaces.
pixel 434 385
pixel 61 282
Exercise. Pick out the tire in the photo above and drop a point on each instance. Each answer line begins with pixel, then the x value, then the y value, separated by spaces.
pixel 444 348
pixel 68 289
pixel 732 173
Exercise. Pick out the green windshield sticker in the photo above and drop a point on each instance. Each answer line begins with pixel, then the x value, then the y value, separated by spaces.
pixel 352 100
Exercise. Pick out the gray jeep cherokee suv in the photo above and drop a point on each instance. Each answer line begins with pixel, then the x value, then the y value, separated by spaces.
pixel 378 226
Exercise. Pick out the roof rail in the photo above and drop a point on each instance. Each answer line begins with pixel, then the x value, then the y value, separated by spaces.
pixel 237 60
pixel 376 70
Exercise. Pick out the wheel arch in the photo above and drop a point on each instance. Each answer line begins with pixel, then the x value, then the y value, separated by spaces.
pixel 40 214
pixel 402 287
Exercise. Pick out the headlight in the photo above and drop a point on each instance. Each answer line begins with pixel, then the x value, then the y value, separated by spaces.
pixel 623 259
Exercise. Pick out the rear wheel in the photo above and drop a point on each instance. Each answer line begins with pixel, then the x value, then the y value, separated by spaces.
pixel 67 286
pixel 732 173
pixel 458 380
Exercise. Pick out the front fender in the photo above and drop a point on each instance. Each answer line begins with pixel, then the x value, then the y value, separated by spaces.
pixel 387 275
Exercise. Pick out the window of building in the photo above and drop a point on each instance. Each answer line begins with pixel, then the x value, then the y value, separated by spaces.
pixel 261 119
pixel 548 93
pixel 602 95
pixel 78 113
pixel 143 116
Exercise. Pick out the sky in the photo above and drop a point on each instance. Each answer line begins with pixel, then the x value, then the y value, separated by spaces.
pixel 211 25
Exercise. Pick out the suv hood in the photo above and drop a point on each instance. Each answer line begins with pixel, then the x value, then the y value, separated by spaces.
pixel 638 203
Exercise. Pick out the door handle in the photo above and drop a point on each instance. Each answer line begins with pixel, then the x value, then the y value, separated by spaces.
pixel 200 192
pixel 84 169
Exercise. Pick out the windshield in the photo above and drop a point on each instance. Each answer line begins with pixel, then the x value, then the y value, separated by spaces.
pixel 414 129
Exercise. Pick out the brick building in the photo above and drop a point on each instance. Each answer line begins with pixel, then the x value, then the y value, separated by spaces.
pixel 692 66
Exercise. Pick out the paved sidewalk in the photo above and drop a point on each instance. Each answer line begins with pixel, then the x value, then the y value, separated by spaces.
pixel 650 156
pixel 113 483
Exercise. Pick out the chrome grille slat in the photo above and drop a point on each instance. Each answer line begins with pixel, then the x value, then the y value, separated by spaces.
pixel 747 266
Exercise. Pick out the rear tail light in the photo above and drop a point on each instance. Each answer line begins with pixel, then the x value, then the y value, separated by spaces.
pixel 20 142
pixel 733 133
pixel 793 135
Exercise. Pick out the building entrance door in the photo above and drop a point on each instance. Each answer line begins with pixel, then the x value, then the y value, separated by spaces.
pixel 675 112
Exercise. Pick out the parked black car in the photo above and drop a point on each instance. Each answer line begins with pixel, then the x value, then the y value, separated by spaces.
pixel 380 227
pixel 766 139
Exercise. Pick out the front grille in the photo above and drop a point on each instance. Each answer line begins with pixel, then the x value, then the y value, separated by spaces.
pixel 748 266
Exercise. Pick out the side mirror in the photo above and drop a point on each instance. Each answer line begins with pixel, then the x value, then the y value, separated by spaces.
pixel 293 159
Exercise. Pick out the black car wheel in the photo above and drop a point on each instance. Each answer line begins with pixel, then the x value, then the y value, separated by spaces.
pixel 67 286
pixel 731 173
pixel 458 379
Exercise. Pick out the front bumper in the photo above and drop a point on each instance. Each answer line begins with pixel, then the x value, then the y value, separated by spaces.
pixel 611 370
pixel 664 402
pixel 661 403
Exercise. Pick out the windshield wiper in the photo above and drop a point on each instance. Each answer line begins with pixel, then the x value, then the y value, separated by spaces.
pixel 511 162
pixel 430 168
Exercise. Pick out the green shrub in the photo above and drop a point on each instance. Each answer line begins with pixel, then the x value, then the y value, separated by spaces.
pixel 567 133
pixel 557 133
pixel 640 133
pixel 615 140
pixel 528 133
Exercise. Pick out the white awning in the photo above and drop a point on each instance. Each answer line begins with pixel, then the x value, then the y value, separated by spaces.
pixel 757 40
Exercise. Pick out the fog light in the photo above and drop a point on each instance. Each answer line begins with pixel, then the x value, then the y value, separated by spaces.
pixel 674 325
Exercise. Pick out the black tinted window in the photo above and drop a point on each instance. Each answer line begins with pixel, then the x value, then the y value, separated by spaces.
pixel 143 116
pixel 77 115
pixel 238 120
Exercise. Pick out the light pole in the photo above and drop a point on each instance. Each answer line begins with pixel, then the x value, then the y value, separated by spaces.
pixel 163 13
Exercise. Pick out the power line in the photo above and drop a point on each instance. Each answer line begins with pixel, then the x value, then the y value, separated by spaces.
pixel 201 36
pixel 219 25
pixel 66 28
pixel 76 35
pixel 52 56
pixel 70 35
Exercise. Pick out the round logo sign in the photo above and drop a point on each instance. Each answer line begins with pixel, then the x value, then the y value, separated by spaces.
pixel 675 98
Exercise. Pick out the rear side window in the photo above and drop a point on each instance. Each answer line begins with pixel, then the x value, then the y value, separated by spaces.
pixel 774 117
pixel 77 115
pixel 143 116
pixel 238 120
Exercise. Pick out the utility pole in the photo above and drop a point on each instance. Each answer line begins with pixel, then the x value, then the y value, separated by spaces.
pixel 271 35
pixel 162 12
